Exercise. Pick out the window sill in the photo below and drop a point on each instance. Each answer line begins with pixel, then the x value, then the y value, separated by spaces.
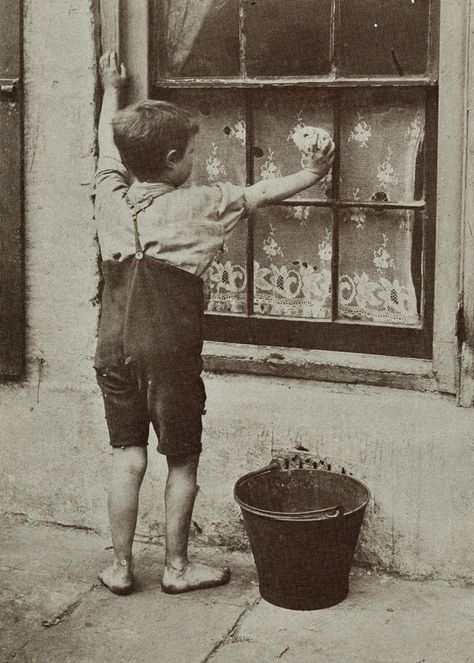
pixel 350 368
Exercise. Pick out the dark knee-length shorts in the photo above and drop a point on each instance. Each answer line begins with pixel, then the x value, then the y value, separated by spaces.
pixel 171 400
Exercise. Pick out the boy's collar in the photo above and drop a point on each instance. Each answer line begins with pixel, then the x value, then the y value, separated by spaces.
pixel 140 190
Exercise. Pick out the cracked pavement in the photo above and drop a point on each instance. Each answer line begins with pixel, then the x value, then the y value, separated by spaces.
pixel 53 609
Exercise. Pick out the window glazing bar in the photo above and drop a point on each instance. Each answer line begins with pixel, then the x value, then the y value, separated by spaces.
pixel 249 158
pixel 373 204
pixel 303 81
pixel 335 210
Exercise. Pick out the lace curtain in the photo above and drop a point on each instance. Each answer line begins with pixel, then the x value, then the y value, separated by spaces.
pixel 380 142
pixel 293 244
pixel 380 145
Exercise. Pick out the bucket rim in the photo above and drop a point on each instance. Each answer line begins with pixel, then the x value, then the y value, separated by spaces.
pixel 319 514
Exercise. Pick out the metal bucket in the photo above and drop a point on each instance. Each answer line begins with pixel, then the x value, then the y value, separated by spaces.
pixel 303 526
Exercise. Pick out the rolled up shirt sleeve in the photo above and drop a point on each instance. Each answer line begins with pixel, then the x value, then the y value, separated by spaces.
pixel 111 176
pixel 232 205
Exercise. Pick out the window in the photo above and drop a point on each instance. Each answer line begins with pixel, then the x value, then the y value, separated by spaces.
pixel 348 264
pixel 11 244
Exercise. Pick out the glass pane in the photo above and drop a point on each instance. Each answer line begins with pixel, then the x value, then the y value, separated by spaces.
pixel 197 38
pixel 292 269
pixel 10 39
pixel 381 141
pixel 376 266
pixel 384 37
pixel 226 278
pixel 220 144
pixel 280 119
pixel 287 38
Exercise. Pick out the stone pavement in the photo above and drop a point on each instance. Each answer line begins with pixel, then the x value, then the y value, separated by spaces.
pixel 53 610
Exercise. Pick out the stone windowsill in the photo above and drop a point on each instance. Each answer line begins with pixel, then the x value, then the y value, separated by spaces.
pixel 350 368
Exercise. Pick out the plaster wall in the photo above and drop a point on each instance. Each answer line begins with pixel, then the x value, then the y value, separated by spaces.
pixel 412 449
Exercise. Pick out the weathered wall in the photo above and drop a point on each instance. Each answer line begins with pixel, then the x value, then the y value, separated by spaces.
pixel 40 417
pixel 412 449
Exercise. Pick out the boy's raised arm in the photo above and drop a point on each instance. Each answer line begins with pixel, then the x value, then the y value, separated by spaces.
pixel 113 78
pixel 315 164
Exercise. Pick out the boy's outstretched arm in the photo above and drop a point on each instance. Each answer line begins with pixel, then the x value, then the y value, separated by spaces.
pixel 315 164
pixel 113 77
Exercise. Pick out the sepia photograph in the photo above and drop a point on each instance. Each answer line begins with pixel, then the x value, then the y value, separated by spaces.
pixel 236 331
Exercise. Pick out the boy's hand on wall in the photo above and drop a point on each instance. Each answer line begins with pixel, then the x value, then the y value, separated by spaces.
pixel 112 75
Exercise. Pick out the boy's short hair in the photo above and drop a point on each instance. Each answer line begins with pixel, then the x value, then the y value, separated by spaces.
pixel 144 134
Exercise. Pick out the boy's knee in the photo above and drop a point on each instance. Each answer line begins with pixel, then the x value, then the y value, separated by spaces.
pixel 131 459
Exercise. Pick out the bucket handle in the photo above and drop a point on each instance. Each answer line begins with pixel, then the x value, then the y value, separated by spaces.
pixel 337 511
pixel 321 514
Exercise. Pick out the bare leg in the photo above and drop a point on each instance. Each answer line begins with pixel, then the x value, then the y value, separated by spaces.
pixel 180 575
pixel 127 471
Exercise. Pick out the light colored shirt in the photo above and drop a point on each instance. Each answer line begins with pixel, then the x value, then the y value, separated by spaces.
pixel 184 227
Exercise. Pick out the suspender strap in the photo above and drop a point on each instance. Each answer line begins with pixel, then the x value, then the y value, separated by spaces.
pixel 135 212
pixel 138 246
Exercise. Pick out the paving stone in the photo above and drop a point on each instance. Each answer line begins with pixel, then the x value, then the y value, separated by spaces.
pixel 241 652
pixel 44 572
pixel 148 626
pixel 383 619
pixel 29 602
pixel 52 551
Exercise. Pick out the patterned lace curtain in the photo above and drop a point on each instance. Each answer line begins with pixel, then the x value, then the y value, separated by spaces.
pixel 292 245
pixel 381 142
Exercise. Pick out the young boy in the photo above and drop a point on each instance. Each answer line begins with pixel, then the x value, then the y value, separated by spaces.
pixel 156 242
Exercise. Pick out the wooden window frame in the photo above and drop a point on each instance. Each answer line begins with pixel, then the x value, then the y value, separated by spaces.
pixel 335 334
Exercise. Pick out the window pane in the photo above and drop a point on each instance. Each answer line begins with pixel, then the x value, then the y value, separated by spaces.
pixel 220 144
pixel 280 118
pixel 10 31
pixel 384 36
pixel 292 269
pixel 381 141
pixel 197 38
pixel 226 278
pixel 375 266
pixel 287 38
